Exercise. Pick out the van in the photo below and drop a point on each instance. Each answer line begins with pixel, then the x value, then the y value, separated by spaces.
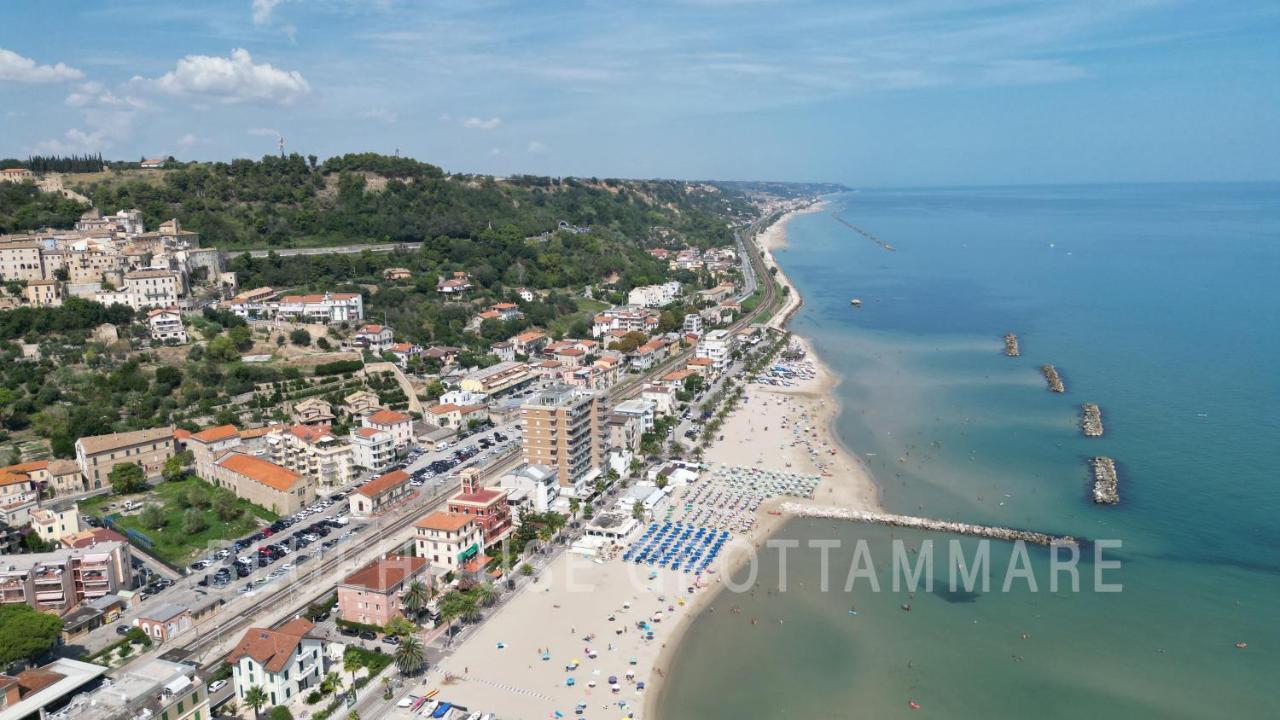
pixel 442 445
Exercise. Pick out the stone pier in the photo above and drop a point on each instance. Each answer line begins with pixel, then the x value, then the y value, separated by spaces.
pixel 919 523
pixel 1055 380
pixel 1106 483
pixel 1011 345
pixel 1091 420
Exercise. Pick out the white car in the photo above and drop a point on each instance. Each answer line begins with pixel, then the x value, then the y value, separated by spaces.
pixel 217 685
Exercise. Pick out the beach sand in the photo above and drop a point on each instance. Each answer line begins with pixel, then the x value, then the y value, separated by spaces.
pixel 776 428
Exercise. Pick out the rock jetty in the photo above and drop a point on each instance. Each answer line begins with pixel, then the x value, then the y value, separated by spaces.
pixel 1055 380
pixel 1105 482
pixel 864 233
pixel 1011 345
pixel 1091 420
pixel 919 523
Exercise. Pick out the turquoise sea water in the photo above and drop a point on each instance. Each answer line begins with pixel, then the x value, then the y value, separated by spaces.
pixel 1159 303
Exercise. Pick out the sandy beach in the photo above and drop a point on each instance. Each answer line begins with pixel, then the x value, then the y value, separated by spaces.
pixel 580 604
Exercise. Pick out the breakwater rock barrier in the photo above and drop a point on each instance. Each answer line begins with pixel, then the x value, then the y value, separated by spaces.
pixel 1011 345
pixel 864 233
pixel 1091 420
pixel 1055 380
pixel 919 523
pixel 1106 483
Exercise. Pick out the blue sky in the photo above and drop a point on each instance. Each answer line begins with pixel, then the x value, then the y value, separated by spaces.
pixel 906 92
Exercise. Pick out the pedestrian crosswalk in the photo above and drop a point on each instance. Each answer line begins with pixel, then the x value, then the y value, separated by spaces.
pixel 510 688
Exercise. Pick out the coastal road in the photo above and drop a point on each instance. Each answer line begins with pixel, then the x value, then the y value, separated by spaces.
pixel 338 250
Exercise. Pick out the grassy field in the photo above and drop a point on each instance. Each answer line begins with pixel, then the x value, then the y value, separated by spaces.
pixel 172 543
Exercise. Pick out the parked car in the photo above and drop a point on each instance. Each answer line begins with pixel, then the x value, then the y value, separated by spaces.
pixel 368 635
pixel 349 631
pixel 217 685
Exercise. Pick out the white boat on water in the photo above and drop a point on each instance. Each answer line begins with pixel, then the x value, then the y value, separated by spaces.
pixel 856 302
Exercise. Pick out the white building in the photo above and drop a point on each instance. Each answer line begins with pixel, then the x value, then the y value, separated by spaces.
pixel 447 540
pixel 654 295
pixel 538 482
pixel 284 662
pixel 462 398
pixel 166 324
pixel 399 425
pixel 693 323
pixel 152 288
pixel 662 397
pixel 640 408
pixel 326 308
pixel 376 337
pixel 717 345
pixel 371 448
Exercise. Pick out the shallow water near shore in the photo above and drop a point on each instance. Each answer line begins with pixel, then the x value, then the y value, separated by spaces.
pixel 1156 302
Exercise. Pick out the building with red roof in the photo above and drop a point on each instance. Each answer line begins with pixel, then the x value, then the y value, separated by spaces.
pixel 488 507
pixel 371 595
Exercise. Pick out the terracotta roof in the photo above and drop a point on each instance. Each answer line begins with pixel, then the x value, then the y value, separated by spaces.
pixel 675 375
pixel 485 496
pixel 444 409
pixel 443 521
pixel 385 573
pixel 383 483
pixel 489 314
pixel 310 433
pixel 27 467
pixel 36 679
pixel 95 444
pixel 89 537
pixel 368 432
pixel 371 329
pixel 504 306
pixel 272 648
pixel 262 471
pixel 317 298
pixel 216 434
pixel 250 433
pixel 701 361
pixel 525 337
pixel 388 417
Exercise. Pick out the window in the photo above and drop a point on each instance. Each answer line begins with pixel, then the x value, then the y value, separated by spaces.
pixel 179 707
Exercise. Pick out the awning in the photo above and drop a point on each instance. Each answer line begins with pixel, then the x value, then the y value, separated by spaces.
pixel 469 552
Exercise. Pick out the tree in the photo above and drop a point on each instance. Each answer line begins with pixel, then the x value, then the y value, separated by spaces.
pixel 255 697
pixel 173 470
pixel 454 605
pixel 410 656
pixel 193 522
pixel 415 597
pixel 197 497
pixel 280 712
pixel 352 662
pixel 127 478
pixel 574 505
pixel 637 510
pixel 153 517
pixel 300 337
pixel 400 627
pixel 242 337
pixel 224 504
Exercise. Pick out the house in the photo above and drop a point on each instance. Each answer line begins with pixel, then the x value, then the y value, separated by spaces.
pixel 444 354
pixel 166 326
pixel 263 483
pixel 380 493
pixel 399 425
pixel 716 294
pixel 404 352
pixel 447 541
pixel 152 288
pixel 371 595
pixel 164 622
pixel 458 417
pixel 98 454
pixel 643 410
pixel 396 273
pixel 529 342
pixel 622 432
pixel 675 379
pixel 649 354
pixel 313 410
pixel 662 397
pixel 524 294
pixel 371 448
pixel 625 319
pixel 361 403
pixel 458 283
pixel 55 522
pixel 43 293
pixel 153 163
pixel 487 506
pixel 506 311
pixel 375 337
pixel 703 366
pixel 16 175
pixel 210 444
pixel 693 323
pixel 64 478
pixel 284 662
pixel 503 350
pixel 462 397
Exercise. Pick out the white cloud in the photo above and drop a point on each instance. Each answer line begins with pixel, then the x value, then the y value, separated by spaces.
pixel 21 69
pixel 476 123
pixel 264 132
pixel 383 114
pixel 262 10
pixel 233 79
pixel 536 146
pixel 187 141
pixel 92 94
pixel 495 151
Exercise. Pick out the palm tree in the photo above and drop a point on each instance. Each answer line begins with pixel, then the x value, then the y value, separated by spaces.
pixel 255 697
pixel 333 681
pixel 351 663
pixel 556 522
pixel 410 655
pixel 415 597
pixel 485 594
pixel 454 605
pixel 574 504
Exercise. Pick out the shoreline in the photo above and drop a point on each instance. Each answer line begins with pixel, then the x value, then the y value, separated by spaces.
pixel 856 485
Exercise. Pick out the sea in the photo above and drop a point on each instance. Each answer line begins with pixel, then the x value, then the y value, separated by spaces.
pixel 1160 303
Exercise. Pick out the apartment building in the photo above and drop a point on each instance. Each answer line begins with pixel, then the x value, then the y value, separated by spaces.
pixel 716 345
pixel 21 261
pixel 371 595
pixel 284 661
pixel 372 449
pixel 263 483
pixel 61 579
pixel 447 541
pixel 654 295
pixel 487 506
pixel 399 425
pixel 98 454
pixel 153 288
pixel 361 403
pixel 326 308
pixel 562 431
pixel 55 522
pixel 313 451
pixel 499 379
pixel 626 319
